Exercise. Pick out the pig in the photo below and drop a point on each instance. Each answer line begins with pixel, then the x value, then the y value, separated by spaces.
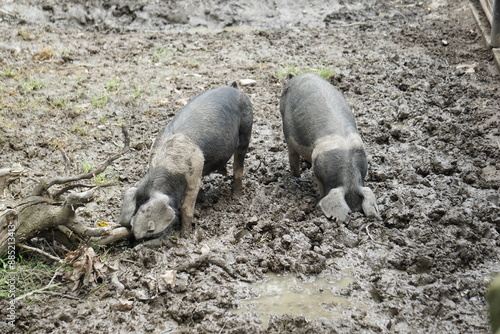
pixel 319 126
pixel 199 140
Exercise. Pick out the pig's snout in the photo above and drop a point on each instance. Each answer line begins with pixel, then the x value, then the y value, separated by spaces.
pixel 334 204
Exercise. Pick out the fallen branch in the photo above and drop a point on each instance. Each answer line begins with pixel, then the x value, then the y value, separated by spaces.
pixel 45 185
pixel 2 11
pixel 115 235
pixel 36 215
pixel 118 285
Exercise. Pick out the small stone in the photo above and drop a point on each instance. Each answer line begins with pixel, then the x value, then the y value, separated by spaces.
pixel 247 82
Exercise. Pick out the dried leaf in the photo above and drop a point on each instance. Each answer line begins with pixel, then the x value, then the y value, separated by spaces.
pixel 87 267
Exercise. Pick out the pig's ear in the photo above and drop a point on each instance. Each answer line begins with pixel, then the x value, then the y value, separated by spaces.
pixel 369 203
pixel 334 205
pixel 153 217
pixel 128 207
pixel 234 84
pixel 290 75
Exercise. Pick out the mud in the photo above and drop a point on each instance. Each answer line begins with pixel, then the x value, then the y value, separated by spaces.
pixel 425 92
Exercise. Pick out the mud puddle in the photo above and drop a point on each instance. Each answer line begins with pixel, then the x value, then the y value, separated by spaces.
pixel 315 299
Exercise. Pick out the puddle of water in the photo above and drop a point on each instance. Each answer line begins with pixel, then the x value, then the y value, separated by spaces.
pixel 286 294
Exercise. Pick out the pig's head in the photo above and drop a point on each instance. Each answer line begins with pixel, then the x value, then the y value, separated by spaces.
pixel 335 203
pixel 149 217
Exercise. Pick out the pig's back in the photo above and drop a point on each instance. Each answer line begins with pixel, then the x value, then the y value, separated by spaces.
pixel 212 121
pixel 312 108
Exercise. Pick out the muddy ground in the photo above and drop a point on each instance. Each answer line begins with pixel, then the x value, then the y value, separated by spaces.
pixel 425 92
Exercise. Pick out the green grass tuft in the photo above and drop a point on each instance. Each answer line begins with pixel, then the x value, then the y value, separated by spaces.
pixel 323 71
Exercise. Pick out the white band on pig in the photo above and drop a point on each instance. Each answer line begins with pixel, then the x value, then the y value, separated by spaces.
pixel 337 142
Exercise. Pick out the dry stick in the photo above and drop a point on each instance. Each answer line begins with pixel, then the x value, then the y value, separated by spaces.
pixel 359 23
pixel 59 294
pixel 52 257
pixel 7 13
pixel 370 236
pixel 41 187
pixel 73 186
pixel 66 160
pixel 116 282
pixel 48 286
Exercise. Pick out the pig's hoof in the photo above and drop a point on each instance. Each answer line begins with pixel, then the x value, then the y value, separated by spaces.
pixel 237 191
pixel 186 232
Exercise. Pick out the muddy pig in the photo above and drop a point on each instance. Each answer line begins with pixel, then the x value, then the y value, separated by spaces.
pixel 199 140
pixel 319 126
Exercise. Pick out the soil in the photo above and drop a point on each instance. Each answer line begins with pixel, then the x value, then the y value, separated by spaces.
pixel 425 93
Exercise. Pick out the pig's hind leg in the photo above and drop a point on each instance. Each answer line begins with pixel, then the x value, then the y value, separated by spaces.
pixel 294 159
pixel 238 163
pixel 245 132
pixel 239 159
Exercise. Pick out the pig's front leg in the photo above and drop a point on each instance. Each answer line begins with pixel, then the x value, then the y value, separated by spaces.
pixel 187 207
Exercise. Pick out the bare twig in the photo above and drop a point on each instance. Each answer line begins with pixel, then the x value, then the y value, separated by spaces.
pixel 86 231
pixel 118 285
pixel 371 238
pixel 66 160
pixel 52 257
pixel 48 286
pixel 80 185
pixel 58 294
pixel 116 234
pixel 2 11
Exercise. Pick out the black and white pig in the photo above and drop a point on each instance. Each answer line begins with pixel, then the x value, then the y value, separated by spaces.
pixel 319 126
pixel 199 140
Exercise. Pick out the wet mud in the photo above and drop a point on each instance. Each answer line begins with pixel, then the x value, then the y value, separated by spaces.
pixel 425 93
